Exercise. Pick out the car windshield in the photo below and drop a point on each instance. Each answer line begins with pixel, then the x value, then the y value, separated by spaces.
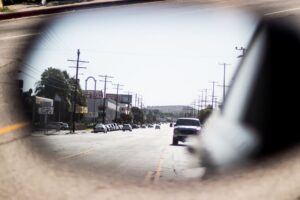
pixel 187 122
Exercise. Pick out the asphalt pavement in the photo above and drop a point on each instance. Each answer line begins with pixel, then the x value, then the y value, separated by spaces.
pixel 145 154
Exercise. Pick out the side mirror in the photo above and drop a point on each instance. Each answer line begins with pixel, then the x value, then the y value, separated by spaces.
pixel 245 129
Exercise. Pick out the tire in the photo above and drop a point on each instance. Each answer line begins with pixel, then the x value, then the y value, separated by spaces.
pixel 175 141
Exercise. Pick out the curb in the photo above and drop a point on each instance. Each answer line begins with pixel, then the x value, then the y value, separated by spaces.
pixel 64 8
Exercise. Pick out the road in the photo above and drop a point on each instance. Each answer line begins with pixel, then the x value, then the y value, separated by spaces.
pixel 143 154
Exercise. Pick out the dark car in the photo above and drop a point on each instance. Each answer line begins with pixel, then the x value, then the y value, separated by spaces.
pixel 127 127
pixel 64 126
pixel 185 127
pixel 135 126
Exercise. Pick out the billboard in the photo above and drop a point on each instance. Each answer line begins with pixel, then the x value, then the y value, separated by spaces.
pixel 122 98
pixel 92 94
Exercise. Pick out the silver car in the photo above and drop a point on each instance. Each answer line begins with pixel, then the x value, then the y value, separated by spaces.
pixel 100 128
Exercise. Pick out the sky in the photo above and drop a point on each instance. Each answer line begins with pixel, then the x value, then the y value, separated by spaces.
pixel 166 54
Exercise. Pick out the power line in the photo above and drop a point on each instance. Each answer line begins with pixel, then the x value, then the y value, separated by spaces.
pixel 213 93
pixel 104 96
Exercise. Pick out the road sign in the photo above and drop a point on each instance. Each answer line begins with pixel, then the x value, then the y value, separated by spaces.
pixel 45 110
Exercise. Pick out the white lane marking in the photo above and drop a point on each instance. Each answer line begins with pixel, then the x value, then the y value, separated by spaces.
pixel 18 36
pixel 282 11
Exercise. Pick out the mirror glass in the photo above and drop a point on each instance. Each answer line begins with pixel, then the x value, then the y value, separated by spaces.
pixel 132 70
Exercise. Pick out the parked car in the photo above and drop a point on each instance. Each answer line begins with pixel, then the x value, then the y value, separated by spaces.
pixel 185 127
pixel 100 128
pixel 135 126
pixel 157 126
pixel 127 127
pixel 120 127
pixel 54 125
pixel 64 126
pixel 143 126
pixel 110 127
pixel 58 125
pixel 150 125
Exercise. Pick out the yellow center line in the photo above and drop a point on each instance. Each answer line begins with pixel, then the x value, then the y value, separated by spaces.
pixel 13 127
pixel 153 176
pixel 18 36
pixel 158 170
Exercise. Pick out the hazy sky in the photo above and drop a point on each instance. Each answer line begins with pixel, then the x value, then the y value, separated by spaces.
pixel 166 53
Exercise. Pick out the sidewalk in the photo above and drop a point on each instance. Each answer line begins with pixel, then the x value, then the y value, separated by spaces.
pixel 26 10
pixel 61 132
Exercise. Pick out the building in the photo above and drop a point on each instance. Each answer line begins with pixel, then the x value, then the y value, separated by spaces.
pixel 97 105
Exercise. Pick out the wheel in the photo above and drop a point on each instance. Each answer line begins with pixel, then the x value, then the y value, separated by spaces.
pixel 175 141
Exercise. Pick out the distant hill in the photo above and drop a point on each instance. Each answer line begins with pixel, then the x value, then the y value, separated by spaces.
pixel 175 109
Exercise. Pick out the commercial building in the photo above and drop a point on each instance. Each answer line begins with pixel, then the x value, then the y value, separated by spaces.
pixel 96 105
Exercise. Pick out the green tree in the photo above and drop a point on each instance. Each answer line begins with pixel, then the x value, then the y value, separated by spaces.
pixel 56 82
pixel 204 114
pixel 125 118
pixel 138 115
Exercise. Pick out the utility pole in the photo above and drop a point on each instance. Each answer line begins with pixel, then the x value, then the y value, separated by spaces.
pixel 213 93
pixel 76 86
pixel 243 51
pixel 135 99
pixel 195 108
pixel 141 109
pixel 216 98
pixel 205 98
pixel 224 85
pixel 138 102
pixel 117 100
pixel 199 105
pixel 104 96
pixel 128 93
pixel 141 102
pixel 202 99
